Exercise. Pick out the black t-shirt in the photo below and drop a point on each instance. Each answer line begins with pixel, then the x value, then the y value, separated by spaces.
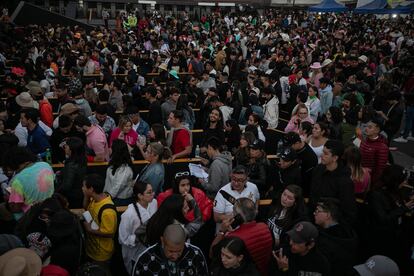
pixel 312 264
pixel 309 160
pixel 154 115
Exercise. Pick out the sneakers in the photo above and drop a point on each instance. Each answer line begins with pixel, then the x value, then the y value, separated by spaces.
pixel 410 138
pixel 401 140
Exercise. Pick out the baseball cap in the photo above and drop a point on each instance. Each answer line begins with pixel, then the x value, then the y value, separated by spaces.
pixel 303 232
pixel 378 265
pixel 288 154
pixel 257 144
pixel 291 138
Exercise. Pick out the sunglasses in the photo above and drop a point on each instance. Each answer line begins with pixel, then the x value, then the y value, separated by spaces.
pixel 180 174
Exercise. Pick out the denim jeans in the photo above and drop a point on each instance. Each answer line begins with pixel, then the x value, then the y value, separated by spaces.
pixel 409 121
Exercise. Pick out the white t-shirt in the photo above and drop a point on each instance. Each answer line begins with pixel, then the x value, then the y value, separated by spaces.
pixel 223 206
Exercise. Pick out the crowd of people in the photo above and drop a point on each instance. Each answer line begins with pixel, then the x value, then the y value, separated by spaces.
pixel 337 88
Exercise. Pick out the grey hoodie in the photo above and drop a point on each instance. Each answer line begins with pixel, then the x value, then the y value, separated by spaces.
pixel 218 174
pixel 84 107
pixel 166 109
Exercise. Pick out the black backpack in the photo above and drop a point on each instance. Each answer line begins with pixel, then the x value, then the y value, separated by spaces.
pixel 103 208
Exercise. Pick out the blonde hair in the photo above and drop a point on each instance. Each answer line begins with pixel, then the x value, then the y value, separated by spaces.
pixel 123 121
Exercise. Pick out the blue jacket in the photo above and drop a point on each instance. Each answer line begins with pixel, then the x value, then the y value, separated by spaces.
pixel 37 140
pixel 326 98
pixel 142 128
pixel 154 175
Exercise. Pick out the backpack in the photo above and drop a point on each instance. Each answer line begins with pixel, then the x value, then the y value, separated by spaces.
pixel 103 208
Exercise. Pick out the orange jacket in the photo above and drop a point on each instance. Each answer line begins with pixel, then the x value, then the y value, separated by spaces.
pixel 46 112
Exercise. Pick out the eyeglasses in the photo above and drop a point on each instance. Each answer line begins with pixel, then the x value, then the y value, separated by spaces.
pixel 238 180
pixel 180 174
pixel 318 210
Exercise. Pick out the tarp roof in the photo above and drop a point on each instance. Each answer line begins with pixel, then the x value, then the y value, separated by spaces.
pixel 328 6
pixel 376 6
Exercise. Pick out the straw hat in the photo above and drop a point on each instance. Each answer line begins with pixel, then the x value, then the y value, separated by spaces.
pixel 163 66
pixel 36 91
pixel 20 262
pixel 32 84
pixel 25 100
pixel 68 108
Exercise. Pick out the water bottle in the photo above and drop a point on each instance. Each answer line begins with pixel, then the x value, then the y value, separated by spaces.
pixel 279 146
pixel 39 157
pixel 197 151
pixel 48 156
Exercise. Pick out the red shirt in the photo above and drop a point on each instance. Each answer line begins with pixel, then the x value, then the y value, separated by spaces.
pixel 181 140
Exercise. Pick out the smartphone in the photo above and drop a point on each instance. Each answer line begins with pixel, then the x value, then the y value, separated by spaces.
pixel 238 220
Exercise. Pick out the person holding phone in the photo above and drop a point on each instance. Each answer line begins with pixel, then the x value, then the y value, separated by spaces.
pixel 256 235
pixel 302 258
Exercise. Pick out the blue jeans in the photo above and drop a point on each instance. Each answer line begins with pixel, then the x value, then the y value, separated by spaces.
pixel 409 121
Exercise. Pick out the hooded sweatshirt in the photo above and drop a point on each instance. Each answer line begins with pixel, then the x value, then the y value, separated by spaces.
pixel 84 107
pixel 339 244
pixel 336 184
pixel 218 174
pixel 166 109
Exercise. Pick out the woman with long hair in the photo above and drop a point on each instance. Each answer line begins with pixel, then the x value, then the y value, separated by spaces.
pixel 154 172
pixel 233 134
pixel 254 121
pixel 173 210
pixel 119 174
pixel 334 118
pixel 242 154
pixel 132 228
pixel 360 176
pixel 184 184
pixel 305 131
pixel 189 117
pixel 71 178
pixel 320 134
pixel 287 209
pixel 157 134
pixel 231 258
pixel 124 132
pixel 301 115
